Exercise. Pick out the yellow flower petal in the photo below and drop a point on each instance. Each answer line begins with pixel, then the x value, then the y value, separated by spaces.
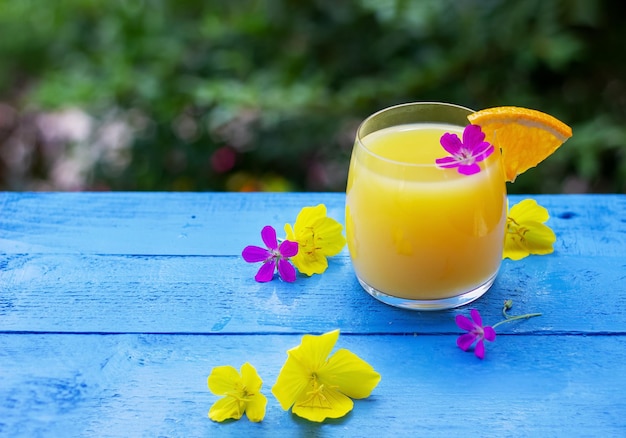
pixel 291 234
pixel 250 379
pixel 514 249
pixel 314 349
pixel 310 264
pixel 223 379
pixel 318 237
pixel 242 393
pixel 321 403
pixel 529 211
pixel 257 402
pixel 317 387
pixel 291 383
pixel 308 216
pixel 539 238
pixel 350 374
pixel 329 237
pixel 226 408
pixel 255 408
pixel 302 362
pixel 525 232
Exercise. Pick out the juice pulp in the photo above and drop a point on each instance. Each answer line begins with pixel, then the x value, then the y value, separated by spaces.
pixel 414 230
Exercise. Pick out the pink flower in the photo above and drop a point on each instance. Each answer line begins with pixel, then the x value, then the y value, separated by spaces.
pixel 476 333
pixel 273 257
pixel 465 155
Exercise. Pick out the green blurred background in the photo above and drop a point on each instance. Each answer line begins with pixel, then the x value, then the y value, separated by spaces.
pixel 266 95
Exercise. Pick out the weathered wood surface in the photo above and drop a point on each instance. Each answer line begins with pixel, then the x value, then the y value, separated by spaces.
pixel 114 307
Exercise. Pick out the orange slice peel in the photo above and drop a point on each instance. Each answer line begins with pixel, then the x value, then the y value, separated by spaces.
pixel 525 136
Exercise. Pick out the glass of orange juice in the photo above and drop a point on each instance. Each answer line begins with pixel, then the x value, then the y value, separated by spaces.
pixel 423 232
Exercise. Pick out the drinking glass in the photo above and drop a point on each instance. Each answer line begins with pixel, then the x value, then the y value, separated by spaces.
pixel 420 236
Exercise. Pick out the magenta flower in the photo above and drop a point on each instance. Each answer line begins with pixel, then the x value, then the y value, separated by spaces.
pixel 476 333
pixel 465 155
pixel 273 257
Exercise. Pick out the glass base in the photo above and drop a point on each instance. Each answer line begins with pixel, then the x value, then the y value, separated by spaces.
pixel 438 304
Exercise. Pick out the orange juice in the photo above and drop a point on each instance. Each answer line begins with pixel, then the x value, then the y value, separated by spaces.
pixel 419 232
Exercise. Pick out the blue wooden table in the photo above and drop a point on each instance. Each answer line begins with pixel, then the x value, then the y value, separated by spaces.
pixel 114 308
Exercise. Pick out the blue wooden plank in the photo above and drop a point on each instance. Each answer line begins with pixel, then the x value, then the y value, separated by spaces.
pixel 92 293
pixel 148 385
pixel 129 267
pixel 140 223
pixel 224 223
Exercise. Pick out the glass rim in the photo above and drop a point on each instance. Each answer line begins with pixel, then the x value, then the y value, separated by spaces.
pixel 359 137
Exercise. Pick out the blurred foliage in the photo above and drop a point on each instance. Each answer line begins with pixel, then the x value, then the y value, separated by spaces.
pixel 266 95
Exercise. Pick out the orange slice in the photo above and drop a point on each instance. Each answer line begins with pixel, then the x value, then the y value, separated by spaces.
pixel 526 137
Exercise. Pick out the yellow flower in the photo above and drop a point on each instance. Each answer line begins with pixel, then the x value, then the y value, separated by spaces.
pixel 242 393
pixel 525 231
pixel 319 387
pixel 318 237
